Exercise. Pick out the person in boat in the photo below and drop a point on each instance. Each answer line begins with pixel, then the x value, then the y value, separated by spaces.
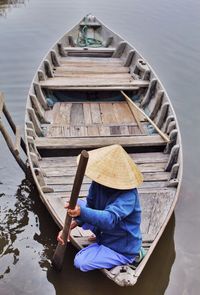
pixel 112 211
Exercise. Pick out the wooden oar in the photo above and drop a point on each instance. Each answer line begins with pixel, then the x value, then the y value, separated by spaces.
pixel 164 136
pixel 58 257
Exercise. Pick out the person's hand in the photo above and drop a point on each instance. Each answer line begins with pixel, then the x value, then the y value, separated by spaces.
pixel 59 237
pixel 73 212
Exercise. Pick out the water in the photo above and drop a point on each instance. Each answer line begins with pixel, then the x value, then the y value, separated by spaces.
pixel 167 35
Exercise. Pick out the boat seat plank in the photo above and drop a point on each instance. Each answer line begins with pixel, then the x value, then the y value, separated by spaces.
pixel 92 83
pixel 66 169
pixel 94 76
pixel 90 60
pixel 94 142
pixel 89 51
pixel 139 158
pixel 90 69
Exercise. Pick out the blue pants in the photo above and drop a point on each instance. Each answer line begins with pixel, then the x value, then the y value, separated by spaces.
pixel 97 256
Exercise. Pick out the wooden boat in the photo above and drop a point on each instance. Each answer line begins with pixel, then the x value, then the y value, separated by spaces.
pixel 75 102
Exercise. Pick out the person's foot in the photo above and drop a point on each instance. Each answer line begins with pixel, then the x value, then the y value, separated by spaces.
pixel 92 238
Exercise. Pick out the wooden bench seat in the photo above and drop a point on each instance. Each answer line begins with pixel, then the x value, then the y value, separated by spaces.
pixel 93 83
pixel 91 61
pixel 94 142
pixel 89 51
pixel 77 70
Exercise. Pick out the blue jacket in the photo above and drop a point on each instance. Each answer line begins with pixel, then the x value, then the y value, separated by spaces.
pixel 116 217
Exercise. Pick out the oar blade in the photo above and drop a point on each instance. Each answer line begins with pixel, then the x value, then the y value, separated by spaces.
pixel 58 257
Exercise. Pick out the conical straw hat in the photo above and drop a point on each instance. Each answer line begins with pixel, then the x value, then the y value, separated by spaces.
pixel 111 166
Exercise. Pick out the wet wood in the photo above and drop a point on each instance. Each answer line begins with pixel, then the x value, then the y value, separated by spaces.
pixel 17 140
pixel 12 147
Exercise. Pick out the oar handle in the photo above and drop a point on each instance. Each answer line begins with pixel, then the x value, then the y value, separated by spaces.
pixel 58 257
pixel 163 135
pixel 75 191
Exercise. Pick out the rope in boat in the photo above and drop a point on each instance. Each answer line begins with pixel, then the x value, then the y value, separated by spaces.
pixel 84 41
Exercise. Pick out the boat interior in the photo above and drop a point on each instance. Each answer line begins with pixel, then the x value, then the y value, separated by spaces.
pixel 76 103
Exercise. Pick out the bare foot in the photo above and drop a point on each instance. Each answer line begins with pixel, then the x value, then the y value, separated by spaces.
pixel 92 238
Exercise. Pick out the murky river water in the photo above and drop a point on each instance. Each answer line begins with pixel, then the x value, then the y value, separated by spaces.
pixel 167 33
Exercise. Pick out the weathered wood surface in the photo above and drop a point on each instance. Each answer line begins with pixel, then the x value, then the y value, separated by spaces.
pixel 92 119
pixel 93 82
pixel 89 50
pixel 76 69
pixel 59 172
pixel 157 128
pixel 94 142
pixel 154 157
pixel 54 130
pixel 83 61
pixel 91 74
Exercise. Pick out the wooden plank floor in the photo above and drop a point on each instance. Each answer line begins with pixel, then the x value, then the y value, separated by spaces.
pixel 92 119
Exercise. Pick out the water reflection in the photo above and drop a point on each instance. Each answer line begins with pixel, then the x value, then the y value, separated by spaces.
pixel 6 5
pixel 13 221
pixel 154 279
pixel 27 243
